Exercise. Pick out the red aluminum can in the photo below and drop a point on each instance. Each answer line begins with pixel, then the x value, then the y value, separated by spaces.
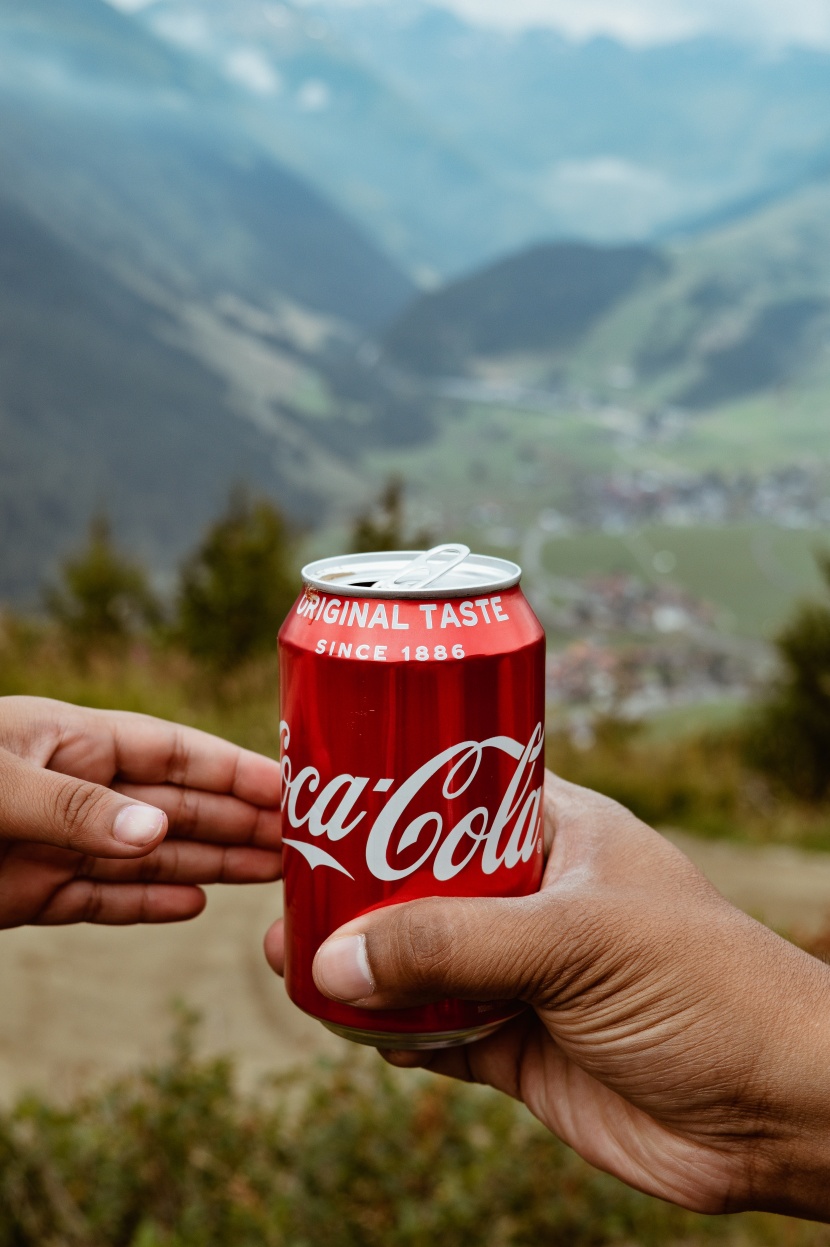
pixel 412 754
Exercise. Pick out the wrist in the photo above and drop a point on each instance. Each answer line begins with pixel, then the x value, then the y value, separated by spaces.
pixel 789 1168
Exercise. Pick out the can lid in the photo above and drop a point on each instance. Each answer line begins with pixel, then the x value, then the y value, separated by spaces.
pixel 448 570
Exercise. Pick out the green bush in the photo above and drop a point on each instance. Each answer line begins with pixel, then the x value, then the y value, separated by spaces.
pixel 700 782
pixel 237 588
pixel 103 600
pixel 789 738
pixel 346 1155
pixel 382 526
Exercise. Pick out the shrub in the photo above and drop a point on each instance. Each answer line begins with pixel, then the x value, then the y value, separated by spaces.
pixel 699 782
pixel 237 588
pixel 789 739
pixel 104 599
pixel 349 1155
pixel 382 527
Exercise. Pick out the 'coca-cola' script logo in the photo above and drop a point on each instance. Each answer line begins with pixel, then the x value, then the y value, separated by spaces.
pixel 503 838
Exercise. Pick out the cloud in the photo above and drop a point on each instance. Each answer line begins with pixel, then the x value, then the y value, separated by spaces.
pixel 643 22
pixel 252 69
pixel 658 21
pixel 313 96
pixel 772 22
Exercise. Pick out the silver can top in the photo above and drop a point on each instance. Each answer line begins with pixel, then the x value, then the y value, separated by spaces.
pixel 449 570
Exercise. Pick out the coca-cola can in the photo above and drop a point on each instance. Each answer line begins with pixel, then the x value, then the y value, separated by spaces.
pixel 412 754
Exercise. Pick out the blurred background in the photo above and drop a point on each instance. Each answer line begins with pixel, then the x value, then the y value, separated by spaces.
pixel 551 277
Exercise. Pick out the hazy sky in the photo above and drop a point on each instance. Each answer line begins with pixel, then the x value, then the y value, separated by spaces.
pixel 775 22
pixel 647 21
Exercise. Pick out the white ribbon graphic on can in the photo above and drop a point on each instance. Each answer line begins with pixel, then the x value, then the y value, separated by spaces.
pixel 333 812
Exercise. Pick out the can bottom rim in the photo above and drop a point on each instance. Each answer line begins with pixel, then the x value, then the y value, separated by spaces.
pixel 401 1042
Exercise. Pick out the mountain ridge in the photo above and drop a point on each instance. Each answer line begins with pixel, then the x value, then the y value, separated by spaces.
pixel 172 304
pixel 706 320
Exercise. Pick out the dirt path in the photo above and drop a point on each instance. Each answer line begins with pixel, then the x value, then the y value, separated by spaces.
pixel 77 1003
pixel 787 889
pixel 80 1002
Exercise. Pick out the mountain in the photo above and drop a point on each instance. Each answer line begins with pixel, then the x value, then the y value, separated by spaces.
pixel 743 309
pixel 611 142
pixel 177 309
pixel 710 319
pixel 138 155
pixel 343 125
pixel 542 300
pixel 454 143
pixel 101 406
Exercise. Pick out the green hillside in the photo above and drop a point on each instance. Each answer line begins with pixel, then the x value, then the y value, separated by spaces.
pixel 741 310
pixel 100 406
pixel 713 318
pixel 544 299
pixel 177 310
pixel 750 574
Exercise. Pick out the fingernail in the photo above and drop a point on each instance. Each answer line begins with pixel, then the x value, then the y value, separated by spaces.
pixel 341 969
pixel 137 825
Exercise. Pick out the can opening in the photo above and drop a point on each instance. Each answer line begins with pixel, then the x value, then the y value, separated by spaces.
pixel 448 569
pixel 427 567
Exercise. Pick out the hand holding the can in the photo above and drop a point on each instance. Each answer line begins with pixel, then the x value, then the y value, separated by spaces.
pixel 670 1040
pixel 117 818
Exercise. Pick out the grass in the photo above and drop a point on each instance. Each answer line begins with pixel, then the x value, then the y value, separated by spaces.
pixel 685 772
pixel 349 1154
pixel 146 680
pixel 752 573
pixel 696 782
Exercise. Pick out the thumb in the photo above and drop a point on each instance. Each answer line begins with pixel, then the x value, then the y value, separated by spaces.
pixel 475 948
pixel 50 808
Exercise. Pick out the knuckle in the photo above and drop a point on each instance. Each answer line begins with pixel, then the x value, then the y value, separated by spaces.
pixel 91 903
pixel 572 956
pixel 75 808
pixel 157 865
pixel 187 813
pixel 178 759
pixel 423 941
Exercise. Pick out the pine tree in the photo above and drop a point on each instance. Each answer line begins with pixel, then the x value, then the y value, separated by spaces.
pixel 238 586
pixel 103 600
pixel 789 739
pixel 381 527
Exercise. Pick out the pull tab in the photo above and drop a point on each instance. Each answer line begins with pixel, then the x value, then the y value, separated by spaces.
pixel 418 574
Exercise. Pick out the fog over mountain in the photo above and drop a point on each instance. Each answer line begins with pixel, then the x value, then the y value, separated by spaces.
pixel 613 142
pixel 643 22
pixel 639 22
pixel 254 240
pixel 167 290
pixel 740 309
pixel 519 135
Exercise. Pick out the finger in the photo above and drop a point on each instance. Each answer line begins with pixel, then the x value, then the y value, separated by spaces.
pixel 45 807
pixel 472 948
pixel 209 816
pixel 153 751
pixel 120 904
pixel 177 861
pixel 275 947
pixel 494 1060
pixel 549 810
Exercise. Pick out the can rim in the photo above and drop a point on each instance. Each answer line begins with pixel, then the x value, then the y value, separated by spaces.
pixel 362 575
